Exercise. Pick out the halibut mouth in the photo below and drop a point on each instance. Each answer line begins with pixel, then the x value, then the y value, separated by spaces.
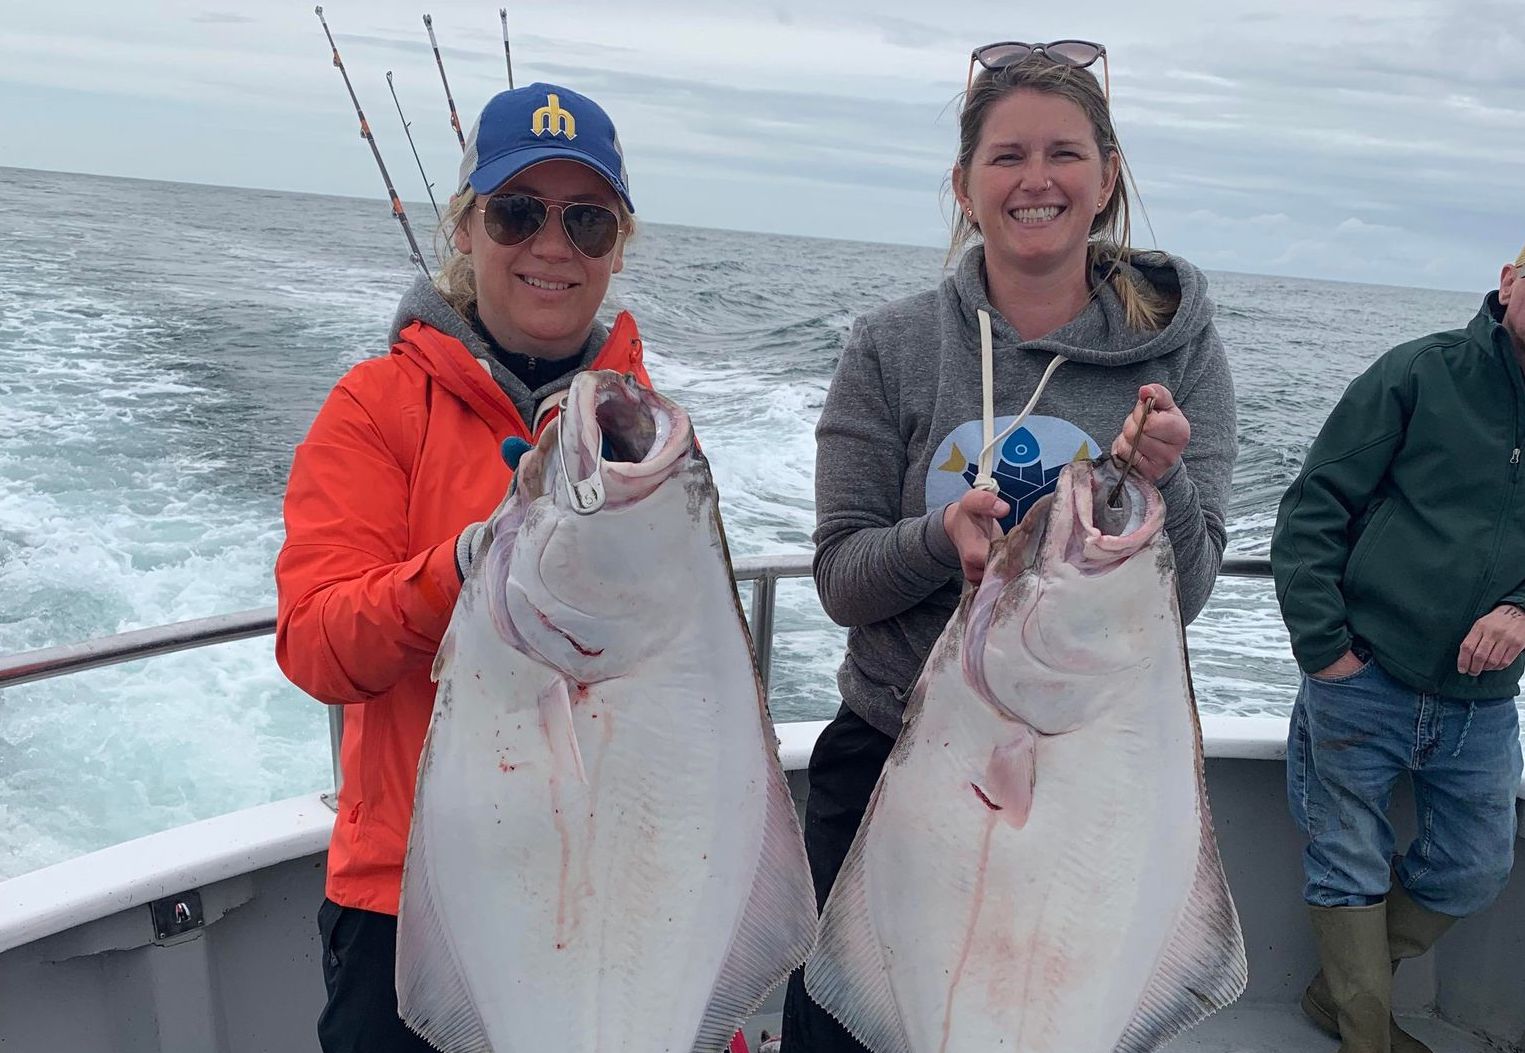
pixel 1074 527
pixel 618 440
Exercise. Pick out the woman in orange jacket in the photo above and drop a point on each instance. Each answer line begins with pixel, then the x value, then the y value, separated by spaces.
pixel 390 487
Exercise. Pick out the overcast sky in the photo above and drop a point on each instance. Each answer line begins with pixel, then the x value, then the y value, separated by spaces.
pixel 1370 141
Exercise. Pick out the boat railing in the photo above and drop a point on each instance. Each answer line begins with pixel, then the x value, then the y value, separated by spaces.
pixel 763 572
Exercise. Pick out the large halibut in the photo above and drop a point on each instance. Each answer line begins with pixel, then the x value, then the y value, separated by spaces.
pixel 1037 870
pixel 604 855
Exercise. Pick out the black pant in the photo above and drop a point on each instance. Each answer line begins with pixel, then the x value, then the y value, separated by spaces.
pixel 843 770
pixel 359 963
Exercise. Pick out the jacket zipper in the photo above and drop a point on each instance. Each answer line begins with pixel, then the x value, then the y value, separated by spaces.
pixel 1504 506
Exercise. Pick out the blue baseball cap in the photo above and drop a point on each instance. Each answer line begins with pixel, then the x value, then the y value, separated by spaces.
pixel 537 123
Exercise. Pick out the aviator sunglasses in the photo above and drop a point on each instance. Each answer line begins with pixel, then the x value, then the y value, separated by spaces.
pixel 512 219
pixel 1077 53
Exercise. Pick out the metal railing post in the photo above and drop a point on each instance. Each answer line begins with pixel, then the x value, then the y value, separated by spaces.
pixel 764 591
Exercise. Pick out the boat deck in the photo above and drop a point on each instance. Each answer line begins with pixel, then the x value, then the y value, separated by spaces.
pixel 1282 1028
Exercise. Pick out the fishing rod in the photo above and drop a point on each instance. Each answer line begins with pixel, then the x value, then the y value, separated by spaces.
pixel 455 119
pixel 405 130
pixel 365 133
pixel 507 55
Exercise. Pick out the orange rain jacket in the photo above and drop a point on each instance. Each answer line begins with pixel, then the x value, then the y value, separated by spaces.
pixel 402 456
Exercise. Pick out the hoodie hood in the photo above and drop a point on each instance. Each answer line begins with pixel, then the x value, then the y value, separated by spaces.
pixel 1100 334
pixel 423 303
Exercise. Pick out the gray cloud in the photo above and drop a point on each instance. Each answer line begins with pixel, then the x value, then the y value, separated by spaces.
pixel 1325 137
pixel 225 18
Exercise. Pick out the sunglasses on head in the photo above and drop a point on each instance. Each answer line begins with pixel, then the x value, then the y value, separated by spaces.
pixel 512 219
pixel 1076 53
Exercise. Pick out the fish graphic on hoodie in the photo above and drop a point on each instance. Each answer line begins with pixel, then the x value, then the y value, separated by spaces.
pixel 1026 464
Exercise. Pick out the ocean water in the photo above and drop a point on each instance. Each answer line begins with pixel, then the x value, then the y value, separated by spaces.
pixel 165 346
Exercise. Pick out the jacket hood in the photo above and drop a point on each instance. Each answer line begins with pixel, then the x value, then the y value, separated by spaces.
pixel 1100 334
pixel 476 376
pixel 423 303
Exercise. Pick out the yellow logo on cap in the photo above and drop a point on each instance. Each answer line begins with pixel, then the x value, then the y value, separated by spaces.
pixel 552 118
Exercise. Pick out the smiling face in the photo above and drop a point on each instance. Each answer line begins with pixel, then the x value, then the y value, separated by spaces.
pixel 1036 182
pixel 539 297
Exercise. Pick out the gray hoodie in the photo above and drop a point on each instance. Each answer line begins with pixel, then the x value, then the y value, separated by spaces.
pixel 901 430
pixel 423 302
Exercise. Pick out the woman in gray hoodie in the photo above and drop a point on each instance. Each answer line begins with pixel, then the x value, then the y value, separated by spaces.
pixel 1053 306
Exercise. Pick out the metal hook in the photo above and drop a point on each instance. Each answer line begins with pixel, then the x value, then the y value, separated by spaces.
pixel 1114 499
pixel 588 494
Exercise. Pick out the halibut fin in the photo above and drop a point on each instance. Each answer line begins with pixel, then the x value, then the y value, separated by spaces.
pixel 1203 968
pixel 555 706
pixel 766 948
pixel 1010 778
pixel 846 975
pixel 433 998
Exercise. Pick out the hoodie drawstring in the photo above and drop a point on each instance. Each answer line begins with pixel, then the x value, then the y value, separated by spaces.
pixel 984 480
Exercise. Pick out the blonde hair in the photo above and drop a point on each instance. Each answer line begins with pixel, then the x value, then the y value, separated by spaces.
pixel 456 280
pixel 1519 262
pixel 1144 306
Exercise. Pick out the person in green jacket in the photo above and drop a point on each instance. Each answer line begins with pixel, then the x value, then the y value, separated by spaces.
pixel 1399 558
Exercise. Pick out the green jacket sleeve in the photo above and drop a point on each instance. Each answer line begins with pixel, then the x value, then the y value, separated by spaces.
pixel 1339 480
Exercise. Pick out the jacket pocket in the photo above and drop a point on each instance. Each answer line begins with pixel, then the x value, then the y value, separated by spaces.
pixel 329 915
pixel 1372 533
pixel 360 779
pixel 1335 681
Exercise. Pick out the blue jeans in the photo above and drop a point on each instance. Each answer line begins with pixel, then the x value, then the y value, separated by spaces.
pixel 1351 739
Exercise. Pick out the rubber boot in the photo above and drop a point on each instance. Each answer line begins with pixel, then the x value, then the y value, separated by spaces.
pixel 1318 1006
pixel 1352 944
pixel 1411 931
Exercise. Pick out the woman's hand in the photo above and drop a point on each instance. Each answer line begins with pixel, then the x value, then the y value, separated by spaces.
pixel 1165 435
pixel 972 523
